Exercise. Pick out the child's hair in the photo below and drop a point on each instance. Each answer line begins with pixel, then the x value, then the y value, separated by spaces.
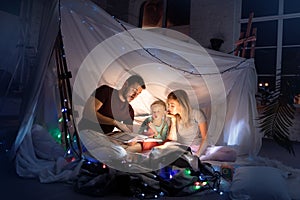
pixel 159 102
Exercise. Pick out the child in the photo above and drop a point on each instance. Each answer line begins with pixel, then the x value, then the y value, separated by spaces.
pixel 157 125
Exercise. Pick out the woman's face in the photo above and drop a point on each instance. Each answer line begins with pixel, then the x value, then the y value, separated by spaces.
pixel 173 107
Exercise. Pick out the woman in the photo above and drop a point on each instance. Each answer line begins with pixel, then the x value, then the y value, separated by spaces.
pixel 188 126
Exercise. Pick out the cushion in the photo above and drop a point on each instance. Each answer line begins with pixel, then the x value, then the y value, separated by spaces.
pixel 258 182
pixel 219 153
pixel 45 146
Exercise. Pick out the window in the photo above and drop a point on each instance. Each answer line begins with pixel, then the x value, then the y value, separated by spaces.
pixel 259 7
pixel 291 31
pixel 278 41
pixel 165 13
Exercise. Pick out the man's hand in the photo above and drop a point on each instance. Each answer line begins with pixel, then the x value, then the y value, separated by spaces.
pixel 121 126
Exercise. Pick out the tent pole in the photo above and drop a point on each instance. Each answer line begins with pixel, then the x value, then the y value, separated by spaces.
pixel 65 90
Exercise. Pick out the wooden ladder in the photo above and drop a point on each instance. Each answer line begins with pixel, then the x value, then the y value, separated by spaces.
pixel 245 39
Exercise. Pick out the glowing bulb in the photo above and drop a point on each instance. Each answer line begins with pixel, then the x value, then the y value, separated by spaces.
pixel 197 185
pixel 187 171
pixel 260 84
pixel 266 84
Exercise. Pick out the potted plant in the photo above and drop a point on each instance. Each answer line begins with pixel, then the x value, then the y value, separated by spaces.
pixel 277 113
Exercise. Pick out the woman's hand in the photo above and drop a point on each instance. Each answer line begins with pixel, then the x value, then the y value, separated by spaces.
pixel 172 117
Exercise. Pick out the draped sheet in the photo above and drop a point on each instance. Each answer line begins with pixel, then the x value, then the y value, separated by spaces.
pixel 102 50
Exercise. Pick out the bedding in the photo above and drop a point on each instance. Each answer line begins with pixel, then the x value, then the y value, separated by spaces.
pixel 265 173
pixel 31 162
pixel 258 182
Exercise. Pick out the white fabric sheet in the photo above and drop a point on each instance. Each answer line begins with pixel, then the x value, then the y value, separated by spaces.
pixel 100 51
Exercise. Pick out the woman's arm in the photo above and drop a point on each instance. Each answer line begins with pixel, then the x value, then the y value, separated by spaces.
pixel 203 131
pixel 172 135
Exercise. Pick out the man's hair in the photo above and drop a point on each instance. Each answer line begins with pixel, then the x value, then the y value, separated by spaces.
pixel 136 79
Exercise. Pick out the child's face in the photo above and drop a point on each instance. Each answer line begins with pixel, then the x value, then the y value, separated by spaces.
pixel 158 111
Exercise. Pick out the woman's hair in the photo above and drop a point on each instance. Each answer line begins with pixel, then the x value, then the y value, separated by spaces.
pixel 159 102
pixel 182 98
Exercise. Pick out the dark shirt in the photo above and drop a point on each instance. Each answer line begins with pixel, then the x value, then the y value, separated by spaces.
pixel 112 107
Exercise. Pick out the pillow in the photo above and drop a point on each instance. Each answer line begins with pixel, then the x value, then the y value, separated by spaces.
pixel 219 153
pixel 257 183
pixel 45 147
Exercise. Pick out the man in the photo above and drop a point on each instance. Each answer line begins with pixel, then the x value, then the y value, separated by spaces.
pixel 112 107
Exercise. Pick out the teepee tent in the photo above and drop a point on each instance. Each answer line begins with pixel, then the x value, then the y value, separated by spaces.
pixel 99 49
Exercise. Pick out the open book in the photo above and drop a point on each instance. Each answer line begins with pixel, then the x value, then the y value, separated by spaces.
pixel 126 137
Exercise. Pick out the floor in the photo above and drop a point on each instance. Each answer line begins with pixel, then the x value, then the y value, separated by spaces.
pixel 14 187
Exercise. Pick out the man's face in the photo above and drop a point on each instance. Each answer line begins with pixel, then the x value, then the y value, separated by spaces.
pixel 158 111
pixel 132 92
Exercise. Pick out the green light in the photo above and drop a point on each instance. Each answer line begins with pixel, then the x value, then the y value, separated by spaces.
pixel 60 120
pixel 187 171
pixel 56 134
pixel 196 187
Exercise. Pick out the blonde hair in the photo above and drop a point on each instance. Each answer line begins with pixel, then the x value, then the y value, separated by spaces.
pixel 159 102
pixel 182 98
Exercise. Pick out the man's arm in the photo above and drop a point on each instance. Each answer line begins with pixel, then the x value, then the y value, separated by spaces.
pixel 90 112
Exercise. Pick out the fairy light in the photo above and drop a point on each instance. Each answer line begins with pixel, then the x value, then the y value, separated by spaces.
pixel 187 171
pixel 197 185
pixel 235 67
pixel 56 134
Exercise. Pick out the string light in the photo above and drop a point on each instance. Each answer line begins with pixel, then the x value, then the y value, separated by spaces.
pixel 235 67
pixel 187 171
pixel 197 185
